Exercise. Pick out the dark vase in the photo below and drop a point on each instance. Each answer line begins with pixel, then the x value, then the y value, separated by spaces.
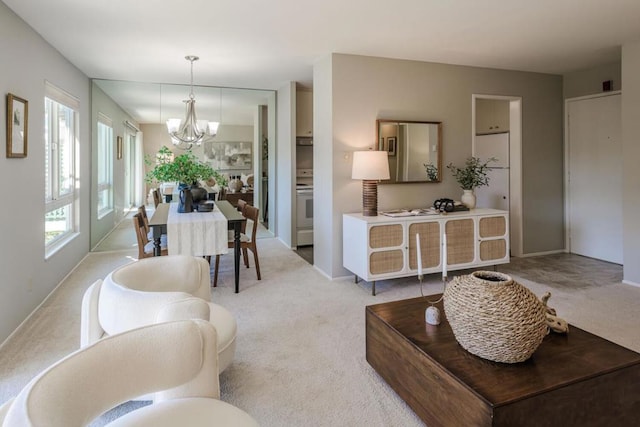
pixel 198 194
pixel 190 197
pixel 185 200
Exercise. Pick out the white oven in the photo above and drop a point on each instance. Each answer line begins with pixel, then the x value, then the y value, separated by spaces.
pixel 304 203
pixel 304 216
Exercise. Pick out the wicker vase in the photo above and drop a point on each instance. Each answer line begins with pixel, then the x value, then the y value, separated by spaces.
pixel 494 317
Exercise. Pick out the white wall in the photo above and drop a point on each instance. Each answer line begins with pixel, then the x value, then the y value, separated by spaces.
pixel 631 155
pixel 324 234
pixel 358 90
pixel 27 278
pixel 285 164
pixel 588 82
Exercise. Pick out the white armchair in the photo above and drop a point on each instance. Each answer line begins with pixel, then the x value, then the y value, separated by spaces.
pixel 177 360
pixel 153 290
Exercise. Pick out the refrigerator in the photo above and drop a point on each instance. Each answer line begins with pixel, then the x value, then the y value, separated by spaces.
pixel 496 194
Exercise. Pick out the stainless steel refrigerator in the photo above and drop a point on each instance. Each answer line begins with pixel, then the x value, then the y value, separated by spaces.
pixel 496 194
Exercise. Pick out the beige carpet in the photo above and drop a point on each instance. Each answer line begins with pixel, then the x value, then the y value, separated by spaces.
pixel 301 344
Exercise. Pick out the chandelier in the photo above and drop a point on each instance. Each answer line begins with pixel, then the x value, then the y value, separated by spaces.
pixel 190 131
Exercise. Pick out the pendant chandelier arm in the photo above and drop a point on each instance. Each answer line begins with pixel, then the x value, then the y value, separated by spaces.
pixel 188 132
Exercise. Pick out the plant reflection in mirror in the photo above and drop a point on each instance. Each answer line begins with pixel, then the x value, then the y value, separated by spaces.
pixel 432 171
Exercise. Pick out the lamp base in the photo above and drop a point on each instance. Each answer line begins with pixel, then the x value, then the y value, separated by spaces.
pixel 369 197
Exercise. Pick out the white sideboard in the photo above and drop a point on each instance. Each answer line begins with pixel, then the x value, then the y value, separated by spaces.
pixel 382 247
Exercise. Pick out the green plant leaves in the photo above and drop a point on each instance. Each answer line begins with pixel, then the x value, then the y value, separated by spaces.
pixel 473 174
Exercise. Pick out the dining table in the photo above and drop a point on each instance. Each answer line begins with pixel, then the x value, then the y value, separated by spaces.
pixel 213 227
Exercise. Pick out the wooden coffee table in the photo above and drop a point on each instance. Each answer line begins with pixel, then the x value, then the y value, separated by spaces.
pixel 577 379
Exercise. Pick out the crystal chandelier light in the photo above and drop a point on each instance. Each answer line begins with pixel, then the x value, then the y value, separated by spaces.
pixel 190 131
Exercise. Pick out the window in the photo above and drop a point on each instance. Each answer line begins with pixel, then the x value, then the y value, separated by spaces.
pixel 105 165
pixel 61 138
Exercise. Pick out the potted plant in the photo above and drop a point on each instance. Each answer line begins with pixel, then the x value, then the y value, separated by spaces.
pixel 471 176
pixel 184 169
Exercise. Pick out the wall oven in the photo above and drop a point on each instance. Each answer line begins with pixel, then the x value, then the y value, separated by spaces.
pixel 304 216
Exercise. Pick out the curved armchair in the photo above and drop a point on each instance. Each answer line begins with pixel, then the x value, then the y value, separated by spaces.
pixel 154 290
pixel 177 360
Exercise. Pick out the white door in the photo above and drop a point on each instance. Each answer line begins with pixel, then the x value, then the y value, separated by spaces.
pixel 595 178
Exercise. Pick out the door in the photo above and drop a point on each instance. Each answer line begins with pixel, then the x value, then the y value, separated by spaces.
pixel 594 146
pixel 496 194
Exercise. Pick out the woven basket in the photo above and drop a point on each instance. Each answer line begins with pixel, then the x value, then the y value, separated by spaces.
pixel 494 317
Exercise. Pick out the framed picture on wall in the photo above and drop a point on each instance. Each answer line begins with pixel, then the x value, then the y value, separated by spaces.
pixel 17 126
pixel 391 145
pixel 228 155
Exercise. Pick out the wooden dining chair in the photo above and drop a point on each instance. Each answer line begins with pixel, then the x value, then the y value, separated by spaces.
pixel 247 242
pixel 142 211
pixel 156 197
pixel 241 205
pixel 145 246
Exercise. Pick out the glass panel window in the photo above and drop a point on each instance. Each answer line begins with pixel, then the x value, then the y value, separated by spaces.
pixel 57 223
pixel 61 134
pixel 105 168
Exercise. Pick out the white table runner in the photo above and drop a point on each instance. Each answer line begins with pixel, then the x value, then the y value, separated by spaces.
pixel 196 233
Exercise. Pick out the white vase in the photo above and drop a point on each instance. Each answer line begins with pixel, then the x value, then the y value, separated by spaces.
pixel 468 199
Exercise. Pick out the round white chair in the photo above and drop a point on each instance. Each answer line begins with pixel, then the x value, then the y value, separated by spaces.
pixel 176 360
pixel 153 290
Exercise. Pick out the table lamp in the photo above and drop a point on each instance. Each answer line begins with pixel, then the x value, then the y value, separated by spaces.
pixel 370 167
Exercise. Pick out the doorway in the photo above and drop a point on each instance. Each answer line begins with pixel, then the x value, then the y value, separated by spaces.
pixel 515 161
pixel 593 176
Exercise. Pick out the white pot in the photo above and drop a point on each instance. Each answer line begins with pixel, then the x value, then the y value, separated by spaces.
pixel 468 199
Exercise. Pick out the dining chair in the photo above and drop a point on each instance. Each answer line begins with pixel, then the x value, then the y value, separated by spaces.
pixel 241 205
pixel 247 242
pixel 142 210
pixel 146 246
pixel 156 197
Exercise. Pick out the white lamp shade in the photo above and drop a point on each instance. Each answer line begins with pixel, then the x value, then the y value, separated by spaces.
pixel 213 128
pixel 370 165
pixel 173 125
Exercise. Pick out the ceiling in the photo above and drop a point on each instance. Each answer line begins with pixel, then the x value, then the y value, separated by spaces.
pixel 265 44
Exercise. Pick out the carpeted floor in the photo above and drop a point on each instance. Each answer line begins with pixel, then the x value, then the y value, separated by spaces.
pixel 300 357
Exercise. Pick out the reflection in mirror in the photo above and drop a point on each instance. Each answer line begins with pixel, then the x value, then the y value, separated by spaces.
pixel 414 150
pixel 241 147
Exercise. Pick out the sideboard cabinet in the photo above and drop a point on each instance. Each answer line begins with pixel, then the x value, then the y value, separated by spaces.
pixel 382 247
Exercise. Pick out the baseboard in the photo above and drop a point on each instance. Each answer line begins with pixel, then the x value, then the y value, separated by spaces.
pixel 325 275
pixel 286 244
pixel 558 251
pixel 348 276
pixel 630 283
pixel 15 331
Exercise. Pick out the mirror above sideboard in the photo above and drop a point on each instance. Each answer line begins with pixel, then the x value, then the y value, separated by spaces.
pixel 410 146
